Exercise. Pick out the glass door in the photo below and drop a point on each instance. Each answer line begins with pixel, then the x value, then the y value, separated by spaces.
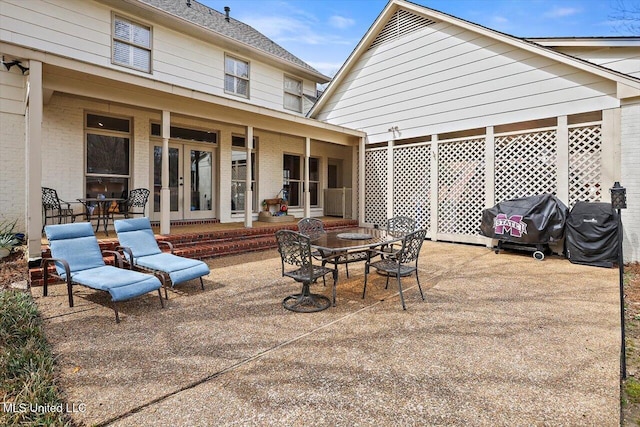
pixel 191 181
pixel 176 181
pixel 199 181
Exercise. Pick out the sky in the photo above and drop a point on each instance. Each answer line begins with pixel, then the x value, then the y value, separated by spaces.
pixel 323 33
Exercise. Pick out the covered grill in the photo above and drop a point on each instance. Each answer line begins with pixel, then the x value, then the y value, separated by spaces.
pixel 592 234
pixel 529 223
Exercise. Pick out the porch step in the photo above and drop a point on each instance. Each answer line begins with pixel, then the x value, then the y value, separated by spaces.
pixel 210 243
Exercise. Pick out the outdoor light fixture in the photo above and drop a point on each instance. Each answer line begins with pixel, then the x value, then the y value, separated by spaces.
pixel 619 202
pixel 618 196
pixel 15 62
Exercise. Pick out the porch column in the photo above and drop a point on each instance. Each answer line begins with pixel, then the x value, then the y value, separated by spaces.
pixel 307 193
pixel 361 178
pixel 34 160
pixel 248 193
pixel 165 192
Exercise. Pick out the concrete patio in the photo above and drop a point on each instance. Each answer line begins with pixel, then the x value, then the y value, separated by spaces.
pixel 500 340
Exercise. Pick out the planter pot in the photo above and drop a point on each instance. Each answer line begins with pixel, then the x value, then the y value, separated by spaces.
pixel 4 252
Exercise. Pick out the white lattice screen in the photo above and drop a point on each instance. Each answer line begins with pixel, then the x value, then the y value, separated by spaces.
pixel 461 186
pixel 375 193
pixel 585 164
pixel 412 183
pixel 525 165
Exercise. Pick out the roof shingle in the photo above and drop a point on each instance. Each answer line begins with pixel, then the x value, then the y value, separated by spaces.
pixel 215 21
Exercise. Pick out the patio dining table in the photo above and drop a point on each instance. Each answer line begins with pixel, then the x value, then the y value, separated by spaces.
pixel 334 244
pixel 102 205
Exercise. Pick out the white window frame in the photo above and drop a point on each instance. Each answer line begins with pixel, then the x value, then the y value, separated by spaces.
pixel 254 179
pixel 236 77
pixel 131 43
pixel 287 179
pixel 290 92
pixel 108 133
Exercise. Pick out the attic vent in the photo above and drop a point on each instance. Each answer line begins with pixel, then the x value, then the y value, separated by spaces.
pixel 401 24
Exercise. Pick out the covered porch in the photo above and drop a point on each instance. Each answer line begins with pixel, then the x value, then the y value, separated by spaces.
pixel 203 157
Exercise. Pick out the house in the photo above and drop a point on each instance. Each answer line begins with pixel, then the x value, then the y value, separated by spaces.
pixel 431 116
pixel 100 97
pixel 459 117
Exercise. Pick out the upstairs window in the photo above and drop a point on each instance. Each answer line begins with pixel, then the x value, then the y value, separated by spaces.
pixel 131 44
pixel 292 94
pixel 236 76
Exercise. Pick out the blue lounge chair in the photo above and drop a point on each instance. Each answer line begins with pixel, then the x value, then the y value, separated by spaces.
pixel 142 251
pixel 78 260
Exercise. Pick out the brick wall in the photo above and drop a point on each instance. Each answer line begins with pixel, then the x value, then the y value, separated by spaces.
pixel 630 173
pixel 12 165
pixel 12 156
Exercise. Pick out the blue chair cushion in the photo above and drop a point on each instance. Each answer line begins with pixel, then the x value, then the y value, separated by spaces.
pixel 178 268
pixel 137 235
pixel 76 244
pixel 120 283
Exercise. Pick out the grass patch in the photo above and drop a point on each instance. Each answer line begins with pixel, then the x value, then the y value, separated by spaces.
pixel 28 392
pixel 632 390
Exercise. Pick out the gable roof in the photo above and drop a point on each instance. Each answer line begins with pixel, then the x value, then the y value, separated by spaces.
pixel 391 17
pixel 233 30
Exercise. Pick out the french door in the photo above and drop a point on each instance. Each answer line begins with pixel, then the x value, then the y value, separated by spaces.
pixel 191 181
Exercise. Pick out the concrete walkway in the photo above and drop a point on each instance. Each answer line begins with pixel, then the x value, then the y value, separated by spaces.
pixel 501 340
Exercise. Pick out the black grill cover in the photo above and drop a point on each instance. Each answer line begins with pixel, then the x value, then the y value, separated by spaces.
pixel 592 234
pixel 528 220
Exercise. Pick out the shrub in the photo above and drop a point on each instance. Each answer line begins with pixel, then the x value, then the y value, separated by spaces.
pixel 27 377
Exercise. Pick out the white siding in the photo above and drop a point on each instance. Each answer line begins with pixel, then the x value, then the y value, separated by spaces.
pixel 630 179
pixel 442 78
pixel 623 59
pixel 81 30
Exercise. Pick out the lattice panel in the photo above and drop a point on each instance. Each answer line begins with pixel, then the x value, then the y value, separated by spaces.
pixel 525 165
pixel 412 184
pixel 585 164
pixel 375 192
pixel 461 186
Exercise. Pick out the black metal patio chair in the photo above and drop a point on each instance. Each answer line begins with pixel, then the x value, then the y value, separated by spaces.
pixel 313 227
pixel 135 204
pixel 295 250
pixel 399 226
pixel 400 263
pixel 56 209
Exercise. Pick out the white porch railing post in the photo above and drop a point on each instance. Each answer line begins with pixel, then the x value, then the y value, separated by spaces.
pixel 562 160
pixel 489 172
pixel 389 179
pixel 433 227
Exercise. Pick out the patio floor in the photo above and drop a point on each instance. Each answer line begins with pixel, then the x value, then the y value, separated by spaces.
pixel 500 340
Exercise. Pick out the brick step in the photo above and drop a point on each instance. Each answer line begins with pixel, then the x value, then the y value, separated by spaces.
pixel 209 244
